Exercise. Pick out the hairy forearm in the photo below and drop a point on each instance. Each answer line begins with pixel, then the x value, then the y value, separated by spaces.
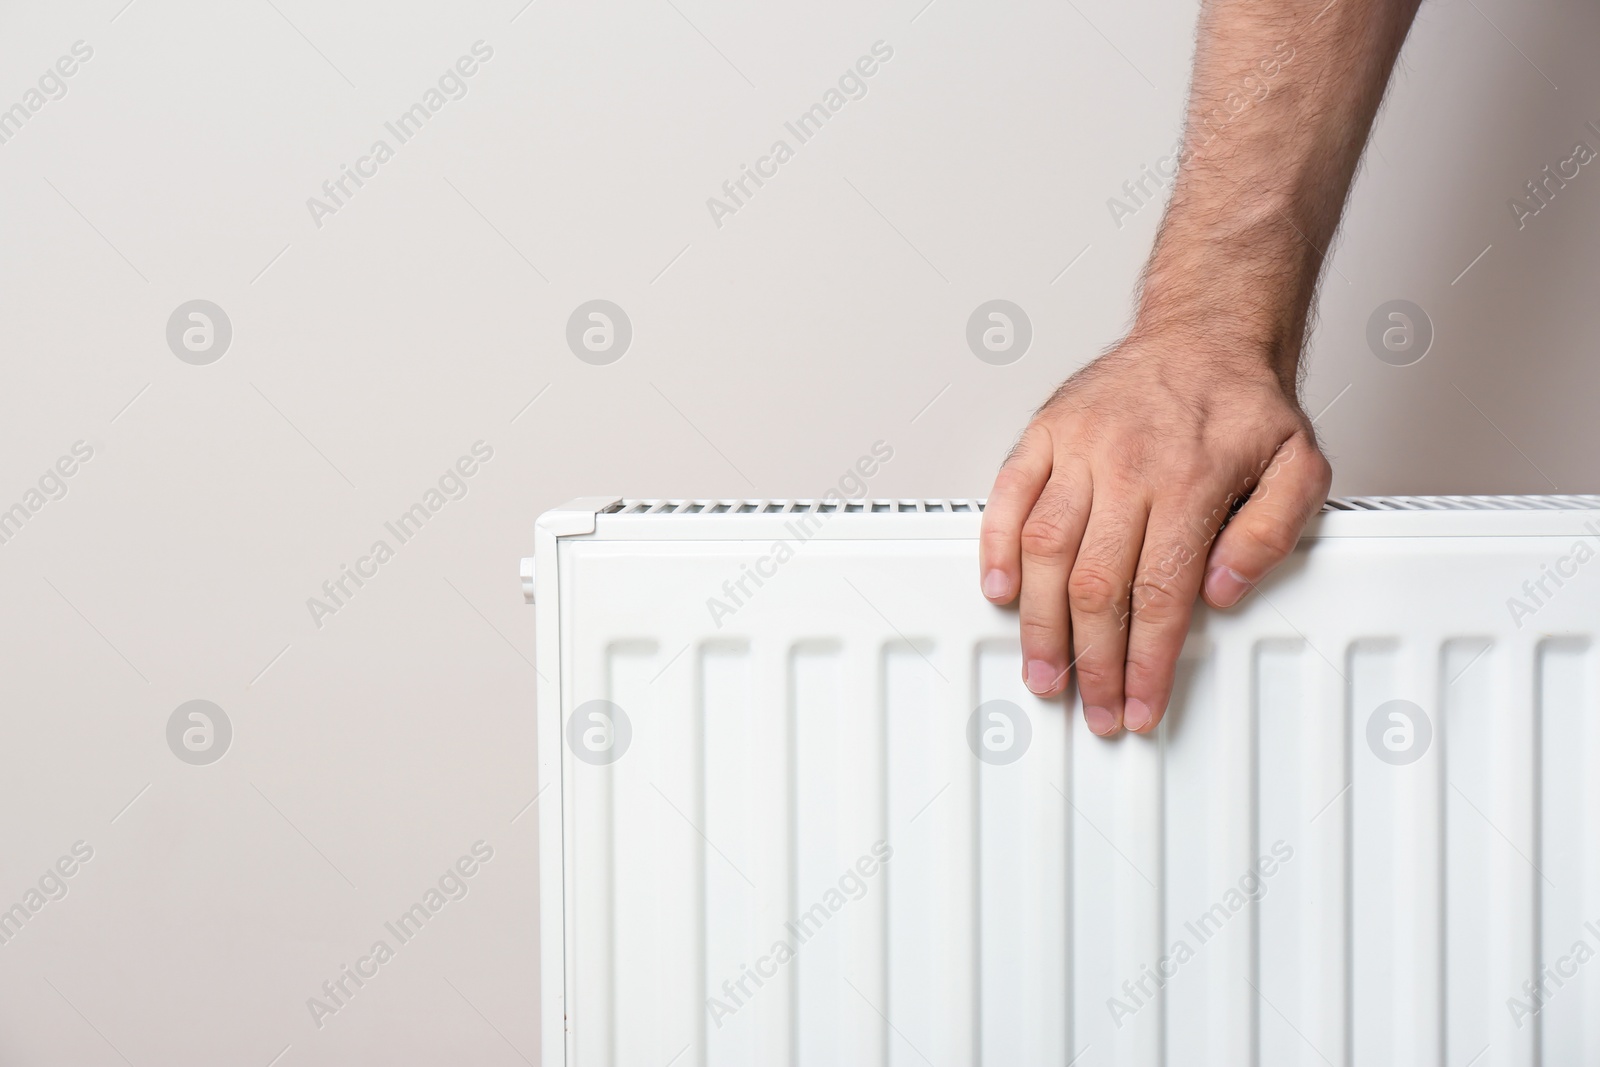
pixel 1283 97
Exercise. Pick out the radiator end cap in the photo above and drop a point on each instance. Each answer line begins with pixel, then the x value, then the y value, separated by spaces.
pixel 575 517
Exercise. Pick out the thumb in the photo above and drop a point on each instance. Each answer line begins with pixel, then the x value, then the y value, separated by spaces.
pixel 1267 528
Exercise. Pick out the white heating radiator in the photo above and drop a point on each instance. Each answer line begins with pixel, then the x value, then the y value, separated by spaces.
pixel 797 807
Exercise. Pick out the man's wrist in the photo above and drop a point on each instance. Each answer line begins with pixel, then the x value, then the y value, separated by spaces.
pixel 1218 342
pixel 1241 289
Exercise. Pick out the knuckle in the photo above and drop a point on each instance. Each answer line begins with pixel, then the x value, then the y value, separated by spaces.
pixel 997 538
pixel 1183 478
pixel 1166 567
pixel 1043 539
pixel 1094 590
pixel 1047 532
pixel 1156 600
pixel 1099 675
pixel 1041 635
pixel 1149 672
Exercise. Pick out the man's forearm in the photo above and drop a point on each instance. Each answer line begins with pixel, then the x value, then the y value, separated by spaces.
pixel 1283 97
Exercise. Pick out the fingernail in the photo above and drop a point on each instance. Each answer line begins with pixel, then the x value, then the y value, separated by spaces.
pixel 1136 714
pixel 1041 676
pixel 996 584
pixel 1224 586
pixel 1100 720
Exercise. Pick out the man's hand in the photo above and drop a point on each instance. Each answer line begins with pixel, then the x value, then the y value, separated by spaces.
pixel 1104 519
pixel 1105 516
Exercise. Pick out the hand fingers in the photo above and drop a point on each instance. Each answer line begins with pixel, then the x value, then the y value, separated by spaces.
pixel 1170 571
pixel 1049 543
pixel 1268 527
pixel 1097 593
pixel 1016 488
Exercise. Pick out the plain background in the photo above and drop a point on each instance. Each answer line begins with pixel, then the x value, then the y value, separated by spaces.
pixel 370 752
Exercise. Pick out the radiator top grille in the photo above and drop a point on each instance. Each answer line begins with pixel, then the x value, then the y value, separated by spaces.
pixel 773 507
pixel 887 506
